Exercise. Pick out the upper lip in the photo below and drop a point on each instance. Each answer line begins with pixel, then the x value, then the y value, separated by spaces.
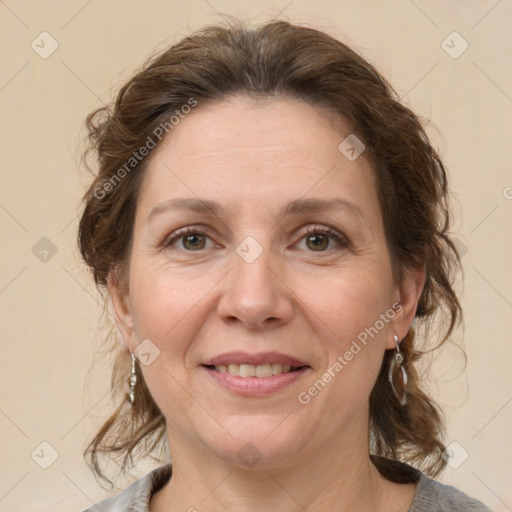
pixel 253 359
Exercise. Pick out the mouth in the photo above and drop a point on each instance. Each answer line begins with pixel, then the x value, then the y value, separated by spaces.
pixel 255 375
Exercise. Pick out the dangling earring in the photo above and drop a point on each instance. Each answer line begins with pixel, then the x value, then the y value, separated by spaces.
pixel 398 360
pixel 133 381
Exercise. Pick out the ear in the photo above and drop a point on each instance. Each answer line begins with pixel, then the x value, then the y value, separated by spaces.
pixel 408 295
pixel 120 298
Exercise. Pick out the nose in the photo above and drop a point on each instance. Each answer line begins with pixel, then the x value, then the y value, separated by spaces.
pixel 255 294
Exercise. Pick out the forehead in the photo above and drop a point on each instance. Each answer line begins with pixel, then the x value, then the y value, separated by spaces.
pixel 256 152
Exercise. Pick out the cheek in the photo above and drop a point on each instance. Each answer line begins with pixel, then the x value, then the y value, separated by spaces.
pixel 357 313
pixel 162 297
pixel 351 299
pixel 163 303
pixel 352 353
pixel 165 306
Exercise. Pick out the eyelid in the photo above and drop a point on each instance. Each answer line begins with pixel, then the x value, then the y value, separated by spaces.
pixel 339 237
pixel 182 232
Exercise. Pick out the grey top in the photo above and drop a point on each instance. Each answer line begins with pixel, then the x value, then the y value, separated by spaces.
pixel 431 496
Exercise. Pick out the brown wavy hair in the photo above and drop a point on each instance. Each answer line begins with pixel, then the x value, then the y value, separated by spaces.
pixel 279 59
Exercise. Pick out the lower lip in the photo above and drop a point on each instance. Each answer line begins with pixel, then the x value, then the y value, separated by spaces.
pixel 256 386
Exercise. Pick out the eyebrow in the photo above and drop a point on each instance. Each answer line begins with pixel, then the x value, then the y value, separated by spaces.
pixel 296 207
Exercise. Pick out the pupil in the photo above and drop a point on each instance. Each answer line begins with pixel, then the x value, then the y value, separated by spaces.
pixel 320 239
pixel 193 239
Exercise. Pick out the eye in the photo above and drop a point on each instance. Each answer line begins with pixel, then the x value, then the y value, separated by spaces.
pixel 317 238
pixel 192 239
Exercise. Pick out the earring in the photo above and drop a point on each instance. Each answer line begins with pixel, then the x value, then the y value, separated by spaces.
pixel 132 380
pixel 398 360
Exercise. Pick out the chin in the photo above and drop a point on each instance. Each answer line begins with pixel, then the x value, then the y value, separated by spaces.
pixel 260 442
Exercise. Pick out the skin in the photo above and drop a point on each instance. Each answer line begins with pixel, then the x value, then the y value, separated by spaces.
pixel 306 300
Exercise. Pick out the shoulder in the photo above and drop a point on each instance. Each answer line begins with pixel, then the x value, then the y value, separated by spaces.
pixel 431 496
pixel 434 496
pixel 137 496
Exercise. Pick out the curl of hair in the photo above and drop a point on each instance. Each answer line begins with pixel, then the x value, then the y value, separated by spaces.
pixel 279 59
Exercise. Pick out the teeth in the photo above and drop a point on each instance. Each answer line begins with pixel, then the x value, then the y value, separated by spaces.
pixel 247 370
pixel 234 369
pixel 250 370
pixel 264 370
pixel 280 368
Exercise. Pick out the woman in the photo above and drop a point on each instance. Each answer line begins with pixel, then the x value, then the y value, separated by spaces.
pixel 269 222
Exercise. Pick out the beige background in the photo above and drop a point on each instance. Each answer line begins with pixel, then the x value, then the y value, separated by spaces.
pixel 50 309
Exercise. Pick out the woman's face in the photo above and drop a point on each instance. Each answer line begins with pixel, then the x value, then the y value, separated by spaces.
pixel 284 267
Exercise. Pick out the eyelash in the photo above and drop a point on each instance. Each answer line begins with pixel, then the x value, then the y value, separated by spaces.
pixel 340 239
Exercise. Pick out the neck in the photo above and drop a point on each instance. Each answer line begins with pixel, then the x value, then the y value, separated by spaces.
pixel 338 478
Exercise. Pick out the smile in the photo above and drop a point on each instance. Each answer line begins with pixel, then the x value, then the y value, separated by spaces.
pixel 249 382
pixel 257 371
